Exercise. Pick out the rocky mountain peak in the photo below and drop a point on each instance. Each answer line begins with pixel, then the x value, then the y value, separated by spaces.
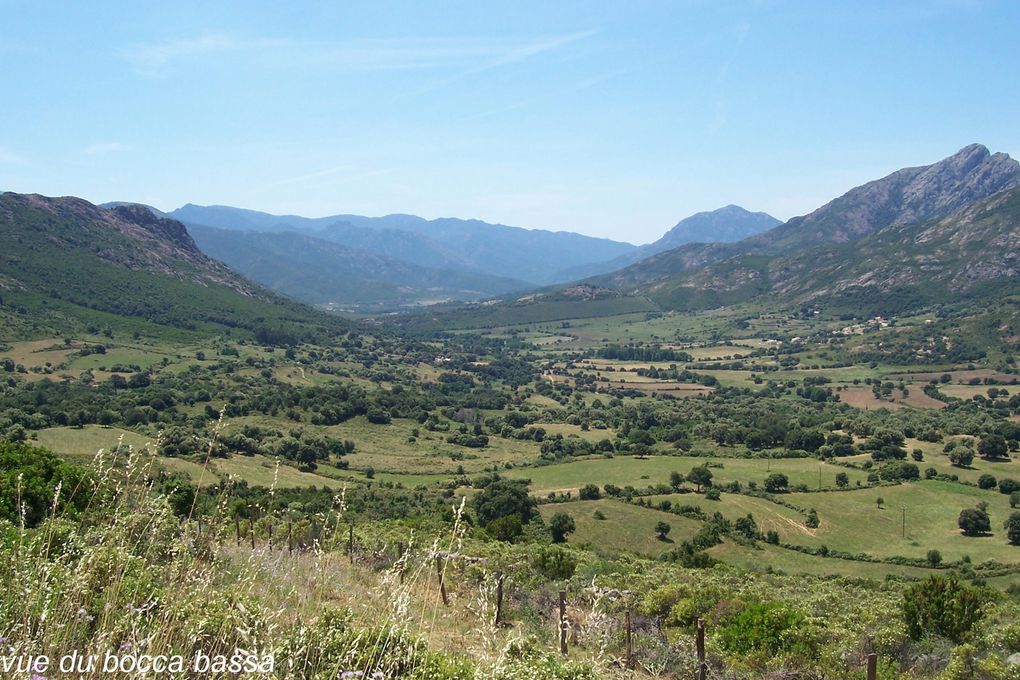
pixel 160 227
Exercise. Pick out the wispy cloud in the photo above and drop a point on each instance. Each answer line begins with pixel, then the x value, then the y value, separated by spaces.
pixel 471 53
pixel 104 147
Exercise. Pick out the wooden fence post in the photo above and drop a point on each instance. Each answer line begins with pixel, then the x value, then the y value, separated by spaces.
pixel 251 530
pixel 499 599
pixel 290 542
pixel 237 531
pixel 563 622
pixel 401 550
pixel 702 666
pixel 629 639
pixel 442 582
pixel 350 542
pixel 270 538
pixel 872 666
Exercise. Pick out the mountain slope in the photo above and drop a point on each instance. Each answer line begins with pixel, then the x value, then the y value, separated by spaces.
pixel 907 196
pixel 322 272
pixel 67 265
pixel 971 253
pixel 724 225
pixel 468 245
pixel 911 195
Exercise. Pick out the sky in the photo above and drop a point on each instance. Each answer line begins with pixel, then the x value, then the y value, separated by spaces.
pixel 612 119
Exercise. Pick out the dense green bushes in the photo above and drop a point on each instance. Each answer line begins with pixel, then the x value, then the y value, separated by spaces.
pixel 36 481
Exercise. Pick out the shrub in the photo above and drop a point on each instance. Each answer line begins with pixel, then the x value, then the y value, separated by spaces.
pixel 590 492
pixel 767 628
pixel 554 562
pixel 986 481
pixel 40 474
pixel 943 607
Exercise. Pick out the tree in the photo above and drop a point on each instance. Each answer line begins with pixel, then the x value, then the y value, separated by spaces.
pixel 507 528
pixel 986 481
pixel 812 519
pixel 842 480
pixel 974 521
pixel 1008 486
pixel 590 492
pixel 934 558
pixel 777 482
pixel 504 497
pixel 747 527
pixel 701 476
pixel 676 480
pixel 560 525
pixel 1012 527
pixel 961 456
pixel 1014 499
pixel 993 446
pixel 661 529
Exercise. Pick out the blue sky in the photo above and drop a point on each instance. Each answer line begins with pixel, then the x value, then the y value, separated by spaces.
pixel 610 119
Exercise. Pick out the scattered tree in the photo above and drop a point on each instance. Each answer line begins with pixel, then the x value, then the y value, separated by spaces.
pixel 974 521
pixel 1012 527
pixel 701 476
pixel 560 525
pixel 777 482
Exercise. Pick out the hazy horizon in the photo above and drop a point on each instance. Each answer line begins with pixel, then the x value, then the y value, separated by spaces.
pixel 603 120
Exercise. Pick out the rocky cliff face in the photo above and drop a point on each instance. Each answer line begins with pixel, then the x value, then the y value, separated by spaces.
pixel 906 196
pixel 127 235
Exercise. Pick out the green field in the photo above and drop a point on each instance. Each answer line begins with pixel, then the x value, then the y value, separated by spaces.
pixel 626 527
pixel 85 442
pixel 643 472
pixel 851 521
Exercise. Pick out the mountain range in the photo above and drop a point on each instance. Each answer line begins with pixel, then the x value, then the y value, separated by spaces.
pixel 699 275
pixel 724 225
pixel 399 261
pixel 949 231
pixel 921 236
pixel 322 272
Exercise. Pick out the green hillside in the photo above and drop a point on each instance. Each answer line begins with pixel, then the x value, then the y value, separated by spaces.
pixel 68 266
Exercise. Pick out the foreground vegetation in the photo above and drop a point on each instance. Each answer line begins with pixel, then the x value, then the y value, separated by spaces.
pixel 811 488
